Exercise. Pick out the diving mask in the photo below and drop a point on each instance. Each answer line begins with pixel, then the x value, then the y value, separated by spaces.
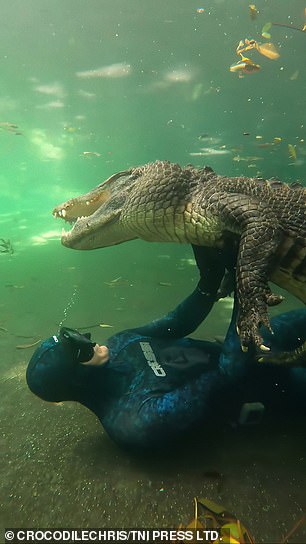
pixel 80 345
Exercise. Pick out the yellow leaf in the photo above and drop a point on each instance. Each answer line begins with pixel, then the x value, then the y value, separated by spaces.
pixel 230 534
pixel 268 50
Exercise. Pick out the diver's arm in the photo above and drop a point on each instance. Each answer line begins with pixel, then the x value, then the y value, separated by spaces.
pixel 182 321
pixel 190 313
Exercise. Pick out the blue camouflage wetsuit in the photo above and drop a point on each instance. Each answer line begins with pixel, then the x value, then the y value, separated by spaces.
pixel 158 385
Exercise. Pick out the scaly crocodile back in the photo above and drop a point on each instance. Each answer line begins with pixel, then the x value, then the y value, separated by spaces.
pixel 170 184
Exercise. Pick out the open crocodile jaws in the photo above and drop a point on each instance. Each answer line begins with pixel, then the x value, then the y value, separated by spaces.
pixel 136 204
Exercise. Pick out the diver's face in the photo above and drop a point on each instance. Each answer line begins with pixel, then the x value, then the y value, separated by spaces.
pixel 100 356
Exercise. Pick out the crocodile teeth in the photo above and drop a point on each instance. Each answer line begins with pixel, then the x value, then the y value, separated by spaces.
pixel 60 213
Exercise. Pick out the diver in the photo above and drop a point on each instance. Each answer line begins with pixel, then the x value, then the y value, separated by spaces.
pixel 150 384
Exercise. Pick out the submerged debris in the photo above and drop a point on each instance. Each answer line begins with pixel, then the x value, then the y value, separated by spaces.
pixel 299 523
pixel 31 345
pixel 116 282
pixel 245 64
pixel 253 11
pixel 265 30
pixel 209 515
pixel 10 127
pixel 90 154
pixel 292 152
pixel 6 246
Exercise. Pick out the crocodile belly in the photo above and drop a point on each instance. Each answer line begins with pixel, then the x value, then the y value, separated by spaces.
pixel 202 229
pixel 180 224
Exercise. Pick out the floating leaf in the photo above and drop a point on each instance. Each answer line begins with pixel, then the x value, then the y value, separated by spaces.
pixel 292 152
pixel 265 31
pixel 268 50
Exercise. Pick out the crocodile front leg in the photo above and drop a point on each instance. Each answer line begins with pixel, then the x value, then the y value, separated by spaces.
pixel 260 236
pixel 258 244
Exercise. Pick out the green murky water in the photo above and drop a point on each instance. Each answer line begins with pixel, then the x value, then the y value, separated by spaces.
pixel 131 82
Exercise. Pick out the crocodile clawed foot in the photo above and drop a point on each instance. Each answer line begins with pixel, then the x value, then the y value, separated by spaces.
pixel 248 324
pixel 249 335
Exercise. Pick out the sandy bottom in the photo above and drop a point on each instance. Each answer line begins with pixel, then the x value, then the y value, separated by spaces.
pixel 59 469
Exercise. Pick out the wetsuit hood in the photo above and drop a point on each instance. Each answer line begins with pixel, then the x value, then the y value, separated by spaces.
pixel 50 370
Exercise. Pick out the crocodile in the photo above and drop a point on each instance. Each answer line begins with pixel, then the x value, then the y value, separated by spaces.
pixel 164 202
